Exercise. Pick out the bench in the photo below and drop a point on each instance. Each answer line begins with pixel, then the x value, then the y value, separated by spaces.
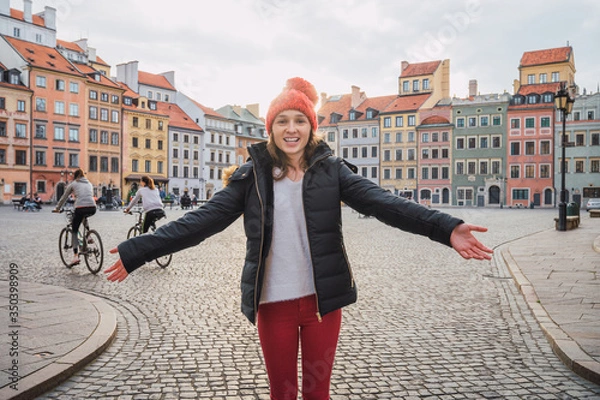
pixel 17 204
pixel 594 213
pixel 572 222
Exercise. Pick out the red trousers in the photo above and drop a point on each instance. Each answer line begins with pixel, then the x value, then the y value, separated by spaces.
pixel 282 326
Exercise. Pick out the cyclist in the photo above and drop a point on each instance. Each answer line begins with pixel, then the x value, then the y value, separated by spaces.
pixel 85 206
pixel 151 202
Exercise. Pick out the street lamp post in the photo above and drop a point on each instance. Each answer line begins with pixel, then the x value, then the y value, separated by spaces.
pixel 564 103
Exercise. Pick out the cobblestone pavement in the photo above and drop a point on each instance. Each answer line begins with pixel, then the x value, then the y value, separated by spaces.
pixel 428 324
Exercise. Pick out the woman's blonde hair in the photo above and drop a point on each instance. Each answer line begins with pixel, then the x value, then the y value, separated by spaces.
pixel 148 181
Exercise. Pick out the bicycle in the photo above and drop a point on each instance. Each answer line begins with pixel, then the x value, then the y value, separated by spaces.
pixel 91 248
pixel 136 230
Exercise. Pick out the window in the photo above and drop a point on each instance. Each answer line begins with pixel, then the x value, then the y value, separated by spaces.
pixel 590 115
pixel 405 86
pixel 176 172
pixel 93 163
pixel 424 173
pixel 425 137
pixel 20 106
pixel 73 160
pixel 93 112
pixel 399 121
pixel 148 124
pixel 530 79
pixel 555 77
pixel 545 122
pixel 104 137
pixel 114 164
pixel 410 154
pixel 460 122
pixel 398 173
pixel 59 107
pixel 149 144
pixel 398 154
pixel 93 136
pixel 425 153
pixel 472 122
pixel 515 171
pixel 415 85
pixel 104 97
pixel 160 125
pixel 579 166
pixel 73 135
pixel 496 120
pixel 594 165
pixel 484 120
pixel 472 143
pixel 411 137
pixel 529 148
pixel 520 194
pixel 435 137
pixel 73 87
pixel 176 154
pixel 148 166
pixel 387 122
pixel 543 78
pixel 386 137
pixel 40 81
pixel 159 145
pixel 580 139
pixel 515 148
pixel 59 133
pixel 495 167
pixel 496 142
pixel 364 133
pixel 445 172
pixel 460 143
pixel 135 122
pixel 114 99
pixel 411 120
pixel 530 171
pixel 40 157
pixel 159 168
pixel 545 147
pixel 103 114
pixel 93 95
pixel 410 173
pixel 21 157
pixel 134 166
pixel 60 85
pixel 529 122
pixel 544 171
pixel 398 137
pixel 595 139
pixel 387 155
pixel 114 138
pixel 40 131
pixel 354 133
pixel 40 104
pixel 425 84
pixel 374 151
pixel 515 123
pixel 114 116
pixel 59 159
pixel 471 167
pixel 483 142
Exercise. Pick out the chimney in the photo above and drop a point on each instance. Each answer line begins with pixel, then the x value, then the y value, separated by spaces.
pixel 237 110
pixel 403 66
pixel 170 77
pixel 355 101
pixel 5 7
pixel 323 98
pixel 27 11
pixel 128 74
pixel 49 16
pixel 253 108
pixel 473 88
pixel 82 43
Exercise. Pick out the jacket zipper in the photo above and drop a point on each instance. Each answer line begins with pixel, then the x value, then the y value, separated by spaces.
pixel 319 318
pixel 262 242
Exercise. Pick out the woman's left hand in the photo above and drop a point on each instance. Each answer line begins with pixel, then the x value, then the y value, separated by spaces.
pixel 467 245
pixel 117 272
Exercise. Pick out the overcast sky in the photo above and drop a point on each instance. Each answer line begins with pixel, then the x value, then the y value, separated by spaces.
pixel 242 51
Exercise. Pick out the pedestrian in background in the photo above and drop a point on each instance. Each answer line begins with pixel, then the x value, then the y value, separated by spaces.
pixel 85 206
pixel 296 277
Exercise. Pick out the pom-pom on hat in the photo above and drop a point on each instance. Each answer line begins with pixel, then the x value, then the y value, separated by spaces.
pixel 298 94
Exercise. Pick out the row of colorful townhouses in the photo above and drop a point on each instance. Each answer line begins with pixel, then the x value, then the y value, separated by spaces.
pixel 60 109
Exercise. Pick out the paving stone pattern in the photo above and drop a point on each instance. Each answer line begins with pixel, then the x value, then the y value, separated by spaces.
pixel 428 324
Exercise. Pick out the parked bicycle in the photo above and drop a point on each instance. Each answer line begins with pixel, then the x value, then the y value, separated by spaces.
pixel 136 230
pixel 90 244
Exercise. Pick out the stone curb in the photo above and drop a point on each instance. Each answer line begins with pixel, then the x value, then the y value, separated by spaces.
pixel 567 349
pixel 52 375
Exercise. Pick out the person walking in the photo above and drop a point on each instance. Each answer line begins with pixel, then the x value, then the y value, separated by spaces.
pixel 151 202
pixel 296 277
pixel 85 206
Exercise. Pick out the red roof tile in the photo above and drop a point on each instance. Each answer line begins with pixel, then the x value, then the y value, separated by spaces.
pixel 86 69
pixel 418 69
pixel 177 117
pixel 548 56
pixel 376 103
pixel 207 110
pixel 155 80
pixel 41 56
pixel 407 103
pixel 69 45
pixel 539 88
pixel 18 14
pixel 435 120
pixel 339 104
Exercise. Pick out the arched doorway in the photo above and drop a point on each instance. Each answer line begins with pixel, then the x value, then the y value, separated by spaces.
pixel 445 196
pixel 494 195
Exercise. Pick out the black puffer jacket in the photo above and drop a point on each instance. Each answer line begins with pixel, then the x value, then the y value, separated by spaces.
pixel 328 181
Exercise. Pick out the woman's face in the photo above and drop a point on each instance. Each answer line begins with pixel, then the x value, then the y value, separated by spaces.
pixel 291 132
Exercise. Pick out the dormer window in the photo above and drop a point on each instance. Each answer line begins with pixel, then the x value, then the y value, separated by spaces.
pixel 352 115
pixel 369 114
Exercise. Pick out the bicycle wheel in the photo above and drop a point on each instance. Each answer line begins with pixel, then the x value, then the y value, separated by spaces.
pixel 94 252
pixel 65 248
pixel 133 232
pixel 164 261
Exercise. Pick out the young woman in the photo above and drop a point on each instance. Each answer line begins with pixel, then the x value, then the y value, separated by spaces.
pixel 85 206
pixel 296 277
pixel 151 202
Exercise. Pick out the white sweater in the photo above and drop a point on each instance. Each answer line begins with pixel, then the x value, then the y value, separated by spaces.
pixel 288 271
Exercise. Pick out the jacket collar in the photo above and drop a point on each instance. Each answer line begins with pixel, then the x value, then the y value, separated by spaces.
pixel 261 158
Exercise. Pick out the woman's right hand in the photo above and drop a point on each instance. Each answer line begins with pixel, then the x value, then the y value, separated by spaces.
pixel 117 272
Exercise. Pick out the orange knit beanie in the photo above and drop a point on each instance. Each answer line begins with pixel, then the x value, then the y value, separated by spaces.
pixel 298 94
